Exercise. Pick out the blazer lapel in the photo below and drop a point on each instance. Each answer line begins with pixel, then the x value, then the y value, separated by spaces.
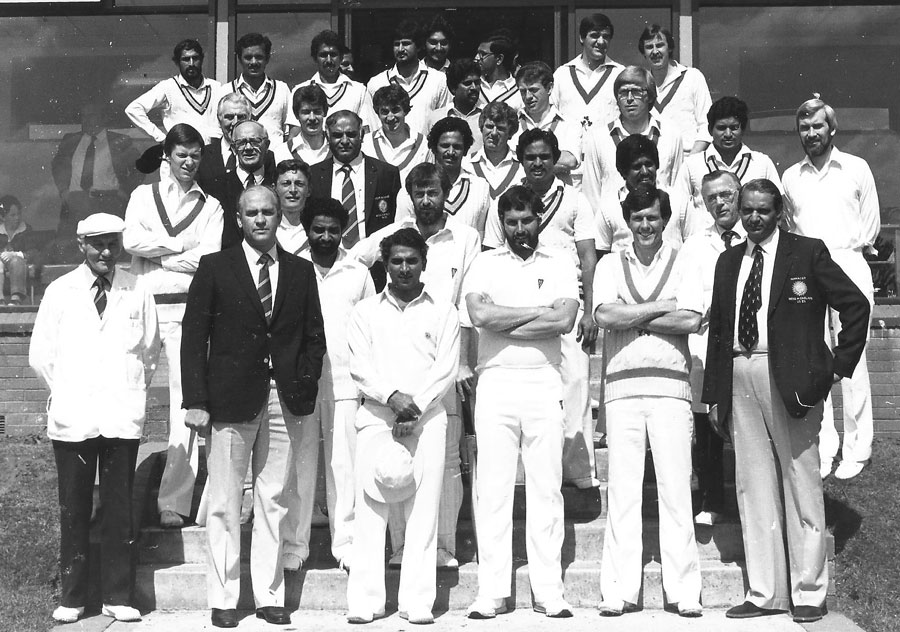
pixel 371 184
pixel 245 278
pixel 731 289
pixel 285 278
pixel 780 270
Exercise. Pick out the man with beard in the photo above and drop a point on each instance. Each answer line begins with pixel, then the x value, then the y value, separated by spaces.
pixel 169 225
pixel 469 199
pixel 426 87
pixel 185 98
pixel 635 93
pixel 343 282
pixel 566 224
pixel 495 162
pixel 831 195
pixel 637 162
pixel 342 92
pixel 728 120
pixel 254 165
pixel 699 255
pixel 463 79
pixel 583 88
pixel 522 297
pixel 452 247
pixel 648 305
pixel 308 141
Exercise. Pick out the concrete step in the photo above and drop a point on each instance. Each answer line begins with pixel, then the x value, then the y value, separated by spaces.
pixel 583 541
pixel 183 587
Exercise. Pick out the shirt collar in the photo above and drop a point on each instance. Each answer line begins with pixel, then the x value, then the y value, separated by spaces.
pixel 713 152
pixel 342 78
pixel 550 115
pixel 90 277
pixel 480 156
pixel 182 81
pixel 390 298
pixel 253 254
pixel 19 229
pixel 243 82
pixel 654 122
pixel 835 157
pixel 355 165
pixel 171 185
pixel 420 67
pixel 506 83
pixel 539 252
pixel 580 65
pixel 452 111
pixel 769 244
pixel 243 173
pixel 672 76
pixel 632 255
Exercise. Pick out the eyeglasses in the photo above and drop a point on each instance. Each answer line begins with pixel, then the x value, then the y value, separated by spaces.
pixel 725 196
pixel 479 55
pixel 633 93
pixel 248 142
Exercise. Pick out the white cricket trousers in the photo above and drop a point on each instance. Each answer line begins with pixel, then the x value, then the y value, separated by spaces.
pixel 418 574
pixel 856 391
pixel 668 423
pixel 513 408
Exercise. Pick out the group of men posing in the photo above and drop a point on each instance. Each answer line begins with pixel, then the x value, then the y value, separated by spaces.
pixel 263 250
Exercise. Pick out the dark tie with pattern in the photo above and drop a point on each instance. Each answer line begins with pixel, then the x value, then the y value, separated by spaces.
pixel 264 285
pixel 250 181
pixel 348 199
pixel 728 237
pixel 102 284
pixel 751 300
pixel 87 171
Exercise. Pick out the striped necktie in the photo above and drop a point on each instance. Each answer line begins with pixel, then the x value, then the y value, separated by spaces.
pixel 751 301
pixel 102 284
pixel 348 199
pixel 264 285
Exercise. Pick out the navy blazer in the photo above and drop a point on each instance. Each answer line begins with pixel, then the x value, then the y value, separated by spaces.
pixel 226 341
pixel 805 281
pixel 224 185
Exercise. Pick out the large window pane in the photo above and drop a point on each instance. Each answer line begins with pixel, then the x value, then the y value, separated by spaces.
pixel 776 57
pixel 291 34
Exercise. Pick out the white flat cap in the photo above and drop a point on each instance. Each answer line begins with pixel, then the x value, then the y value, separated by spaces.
pixel 100 224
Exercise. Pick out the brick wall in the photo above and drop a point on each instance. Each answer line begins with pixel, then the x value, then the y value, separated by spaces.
pixel 23 400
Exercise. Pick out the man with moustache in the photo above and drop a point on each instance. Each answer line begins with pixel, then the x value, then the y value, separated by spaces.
pixel 250 372
pixel 452 247
pixel 343 282
pixel 254 165
pixel 522 297
pixel 426 87
pixel 699 254
pixel 831 195
pixel 567 225
pixel 341 91
pixel 635 93
pixel 767 373
pixel 468 199
pixel 185 98
pixel 583 88
pixel 366 186
pixel 495 162
pixel 648 305
pixel 463 79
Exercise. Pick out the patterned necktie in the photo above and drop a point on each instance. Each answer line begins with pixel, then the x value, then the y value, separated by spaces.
pixel 264 285
pixel 728 237
pixel 250 181
pixel 102 284
pixel 348 199
pixel 751 300
pixel 87 171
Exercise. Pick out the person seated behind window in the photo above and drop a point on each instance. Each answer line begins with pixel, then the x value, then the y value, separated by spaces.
pixel 14 251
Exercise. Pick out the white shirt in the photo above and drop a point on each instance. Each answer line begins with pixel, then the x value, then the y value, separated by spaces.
pixel 508 280
pixel 838 204
pixel 770 247
pixel 179 102
pixel 567 219
pixel 595 106
pixel 167 262
pixel 505 90
pixel 252 255
pixel 688 105
pixel 412 349
pixel 568 134
pixel 271 104
pixel 747 165
pixel 341 287
pixel 343 94
pixel 471 118
pixel 451 252
pixel 468 201
pixel 599 166
pixel 404 156
pixel 297 148
pixel 613 232
pixel 499 177
pixel 357 177
pixel 292 238
pixel 104 175
pixel 427 89
pixel 97 369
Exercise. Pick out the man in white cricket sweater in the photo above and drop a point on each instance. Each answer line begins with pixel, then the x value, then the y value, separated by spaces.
pixel 648 308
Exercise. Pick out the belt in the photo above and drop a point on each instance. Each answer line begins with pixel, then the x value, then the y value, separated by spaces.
pixel 170 299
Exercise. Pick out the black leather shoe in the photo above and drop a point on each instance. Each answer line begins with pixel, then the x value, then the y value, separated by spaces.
pixel 749 610
pixel 224 618
pixel 274 614
pixel 808 614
